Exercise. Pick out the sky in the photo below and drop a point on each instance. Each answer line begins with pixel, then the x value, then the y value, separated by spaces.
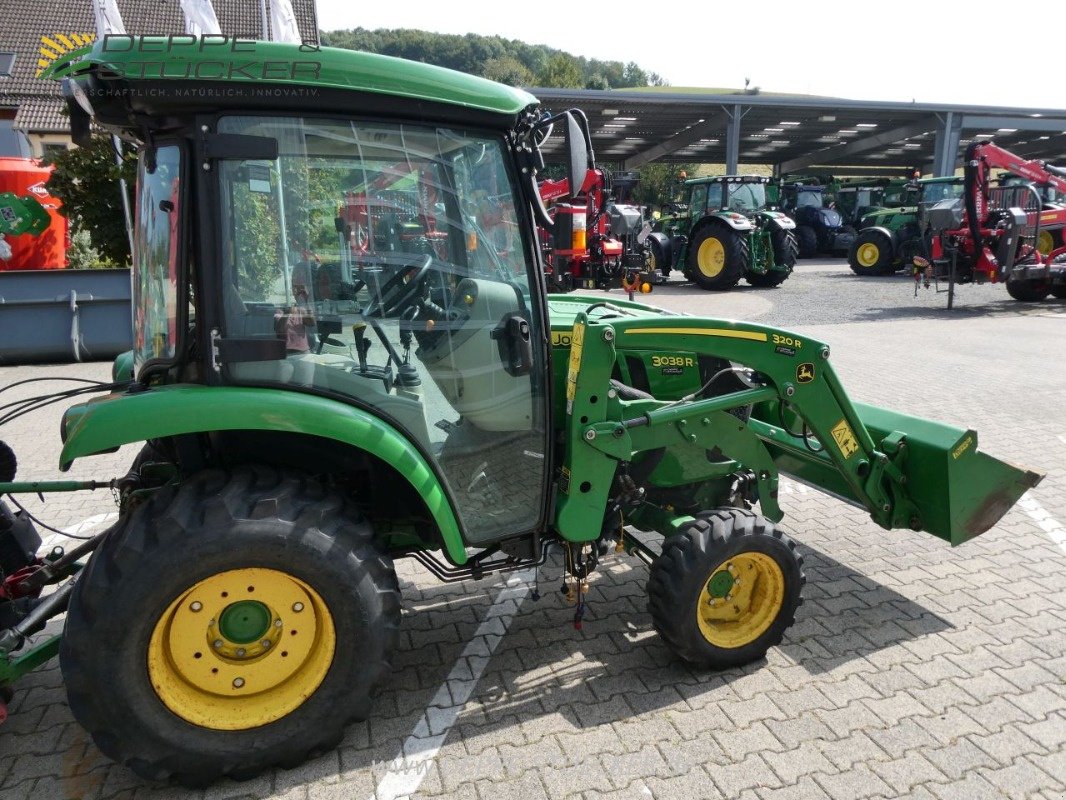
pixel 935 51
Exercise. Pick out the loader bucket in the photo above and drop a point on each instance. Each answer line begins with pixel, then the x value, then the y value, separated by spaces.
pixel 959 491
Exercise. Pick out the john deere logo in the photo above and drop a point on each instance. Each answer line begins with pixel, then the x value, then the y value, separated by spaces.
pixel 805 372
pixel 60 53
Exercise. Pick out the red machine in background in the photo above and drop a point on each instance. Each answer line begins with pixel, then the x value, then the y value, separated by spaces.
pixel 991 234
pixel 30 223
pixel 596 241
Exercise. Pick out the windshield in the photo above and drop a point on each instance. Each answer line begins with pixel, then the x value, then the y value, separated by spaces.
pixel 935 192
pixel 809 197
pixel 747 197
pixel 384 264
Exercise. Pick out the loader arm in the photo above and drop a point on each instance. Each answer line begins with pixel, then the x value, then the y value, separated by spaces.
pixel 906 471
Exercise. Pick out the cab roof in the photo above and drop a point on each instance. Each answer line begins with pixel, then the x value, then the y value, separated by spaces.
pixel 256 63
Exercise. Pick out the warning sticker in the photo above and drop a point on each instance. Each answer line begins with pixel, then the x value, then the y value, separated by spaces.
pixel 845 439
pixel 577 341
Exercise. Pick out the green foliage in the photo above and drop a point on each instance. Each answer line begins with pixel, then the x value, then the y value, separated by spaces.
pixel 505 60
pixel 562 71
pixel 256 239
pixel 660 183
pixel 86 179
pixel 82 255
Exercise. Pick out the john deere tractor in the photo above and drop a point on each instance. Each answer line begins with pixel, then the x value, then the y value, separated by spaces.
pixel 295 443
pixel 890 237
pixel 725 231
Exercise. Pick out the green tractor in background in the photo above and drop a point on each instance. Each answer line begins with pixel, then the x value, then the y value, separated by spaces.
pixel 890 237
pixel 724 231
pixel 1050 236
pixel 295 442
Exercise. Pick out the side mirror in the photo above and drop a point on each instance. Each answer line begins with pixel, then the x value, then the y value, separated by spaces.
pixel 578 150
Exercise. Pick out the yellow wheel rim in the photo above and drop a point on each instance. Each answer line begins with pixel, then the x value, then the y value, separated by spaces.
pixel 868 254
pixel 1045 242
pixel 741 600
pixel 710 258
pixel 241 649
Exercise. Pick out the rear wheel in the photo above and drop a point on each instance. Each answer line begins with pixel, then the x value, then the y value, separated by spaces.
pixel 717 257
pixel 807 240
pixel 871 254
pixel 725 589
pixel 233 624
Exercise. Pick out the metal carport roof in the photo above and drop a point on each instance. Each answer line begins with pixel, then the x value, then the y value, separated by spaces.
pixel 800 133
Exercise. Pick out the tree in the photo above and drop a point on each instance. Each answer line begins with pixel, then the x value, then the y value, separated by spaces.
pixel 86 179
pixel 660 183
pixel 562 71
pixel 509 70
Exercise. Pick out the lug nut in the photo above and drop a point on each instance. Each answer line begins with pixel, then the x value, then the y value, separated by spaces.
pixel 297 607
pixel 240 652
pixel 217 644
pixel 265 643
pixel 196 605
pixel 277 623
pixel 238 683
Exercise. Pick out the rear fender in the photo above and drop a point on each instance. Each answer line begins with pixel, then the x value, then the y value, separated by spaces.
pixel 108 423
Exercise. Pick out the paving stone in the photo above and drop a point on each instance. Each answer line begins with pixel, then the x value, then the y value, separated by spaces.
pixel 751 773
pixel 904 773
pixel 1020 780
pixel 853 784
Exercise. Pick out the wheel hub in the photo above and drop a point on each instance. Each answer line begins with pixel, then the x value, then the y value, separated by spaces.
pixel 711 257
pixel 241 648
pixel 868 254
pixel 741 600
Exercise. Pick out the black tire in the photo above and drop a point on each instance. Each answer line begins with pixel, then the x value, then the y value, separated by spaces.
pixel 680 575
pixel 660 254
pixel 1028 291
pixel 872 254
pixel 735 252
pixel 785 249
pixel 253 517
pixel 807 240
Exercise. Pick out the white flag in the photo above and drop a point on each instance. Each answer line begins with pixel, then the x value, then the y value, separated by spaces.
pixel 200 18
pixel 283 26
pixel 108 19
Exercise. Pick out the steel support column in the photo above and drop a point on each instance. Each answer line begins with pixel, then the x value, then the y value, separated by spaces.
pixel 946 147
pixel 732 140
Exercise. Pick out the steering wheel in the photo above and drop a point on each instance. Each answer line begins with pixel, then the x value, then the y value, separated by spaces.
pixel 399 291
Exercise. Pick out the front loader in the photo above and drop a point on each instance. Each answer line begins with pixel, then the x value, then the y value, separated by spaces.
pixel 243 607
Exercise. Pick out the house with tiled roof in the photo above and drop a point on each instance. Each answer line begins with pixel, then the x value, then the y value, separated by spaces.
pixel 32 118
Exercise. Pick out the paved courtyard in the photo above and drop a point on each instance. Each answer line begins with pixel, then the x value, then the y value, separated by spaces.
pixel 914 670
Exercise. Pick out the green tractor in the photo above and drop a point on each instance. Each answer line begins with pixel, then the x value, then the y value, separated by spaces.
pixel 725 231
pixel 296 443
pixel 889 238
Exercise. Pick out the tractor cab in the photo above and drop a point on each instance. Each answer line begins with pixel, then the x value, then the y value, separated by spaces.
pixel 385 264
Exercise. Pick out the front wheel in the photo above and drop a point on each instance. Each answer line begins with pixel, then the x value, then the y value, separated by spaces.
pixel 717 257
pixel 784 247
pixel 725 588
pixel 235 623
pixel 871 254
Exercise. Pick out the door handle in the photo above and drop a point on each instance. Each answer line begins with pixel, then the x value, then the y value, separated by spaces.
pixel 513 340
